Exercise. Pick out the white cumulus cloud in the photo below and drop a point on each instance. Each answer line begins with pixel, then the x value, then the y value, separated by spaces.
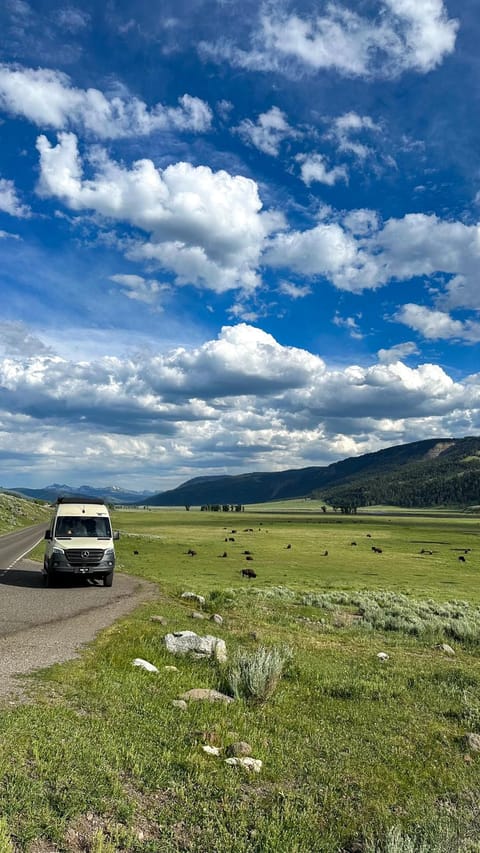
pixel 313 167
pixel 268 132
pixel 207 227
pixel 9 201
pixel 437 325
pixel 48 99
pixel 405 35
pixel 138 288
pixel 242 401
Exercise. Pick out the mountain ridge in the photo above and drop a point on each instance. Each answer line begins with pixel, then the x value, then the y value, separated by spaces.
pixel 378 472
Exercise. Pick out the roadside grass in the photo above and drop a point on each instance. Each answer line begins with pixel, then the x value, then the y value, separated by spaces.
pixel 355 751
pixel 17 512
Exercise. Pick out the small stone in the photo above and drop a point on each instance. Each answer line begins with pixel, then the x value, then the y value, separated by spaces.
pixel 180 703
pixel 215 617
pixel 241 747
pixel 89 816
pixel 197 615
pixel 473 741
pixel 444 647
pixel 252 764
pixel 160 619
pixel 382 656
pixel 140 835
pixel 203 693
pixel 192 596
pixel 220 651
pixel 211 750
pixel 171 669
pixel 144 664
pixel 253 635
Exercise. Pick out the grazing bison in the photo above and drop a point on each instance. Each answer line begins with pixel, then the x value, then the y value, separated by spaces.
pixel 353 543
pixel 462 558
pixel 325 554
pixel 135 552
pixel 249 573
pixel 191 553
pixel 223 555
pixel 288 547
pixel 249 557
pixel 376 550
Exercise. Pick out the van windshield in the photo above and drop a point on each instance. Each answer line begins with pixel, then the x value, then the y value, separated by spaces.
pixel 71 527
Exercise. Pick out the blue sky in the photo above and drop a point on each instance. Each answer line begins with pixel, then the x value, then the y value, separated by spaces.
pixel 234 236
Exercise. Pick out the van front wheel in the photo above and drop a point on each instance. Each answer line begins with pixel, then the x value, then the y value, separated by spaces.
pixel 108 579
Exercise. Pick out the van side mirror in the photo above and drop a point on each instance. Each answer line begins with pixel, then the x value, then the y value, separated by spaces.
pixel 48 535
pixel 116 534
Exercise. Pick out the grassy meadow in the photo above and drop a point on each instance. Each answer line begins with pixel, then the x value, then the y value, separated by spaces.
pixel 358 754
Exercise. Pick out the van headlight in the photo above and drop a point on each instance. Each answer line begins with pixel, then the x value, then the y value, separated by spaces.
pixel 58 552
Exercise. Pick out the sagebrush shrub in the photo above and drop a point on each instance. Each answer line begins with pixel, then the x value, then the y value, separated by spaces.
pixel 255 675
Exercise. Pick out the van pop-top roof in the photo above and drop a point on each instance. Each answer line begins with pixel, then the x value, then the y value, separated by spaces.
pixel 80 499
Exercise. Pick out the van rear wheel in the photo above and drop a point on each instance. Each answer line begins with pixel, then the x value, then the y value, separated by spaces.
pixel 108 579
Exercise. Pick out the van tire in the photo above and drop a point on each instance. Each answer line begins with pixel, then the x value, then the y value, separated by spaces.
pixel 108 579
pixel 49 577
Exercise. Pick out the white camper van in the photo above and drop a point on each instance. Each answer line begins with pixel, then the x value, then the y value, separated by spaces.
pixel 79 540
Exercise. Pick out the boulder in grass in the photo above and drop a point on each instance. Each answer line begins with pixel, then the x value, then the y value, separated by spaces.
pixel 192 596
pixel 473 741
pixel 188 642
pixel 238 748
pixel 252 764
pixel 444 647
pixel 144 664
pixel 204 694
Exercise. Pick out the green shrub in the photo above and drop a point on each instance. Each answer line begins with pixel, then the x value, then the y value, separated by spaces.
pixel 255 675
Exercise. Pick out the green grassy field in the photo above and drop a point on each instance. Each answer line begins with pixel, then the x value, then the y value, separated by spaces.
pixel 358 754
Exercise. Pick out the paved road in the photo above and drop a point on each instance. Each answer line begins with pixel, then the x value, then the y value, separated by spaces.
pixel 40 626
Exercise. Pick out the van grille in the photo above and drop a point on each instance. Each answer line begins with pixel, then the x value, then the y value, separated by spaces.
pixel 84 556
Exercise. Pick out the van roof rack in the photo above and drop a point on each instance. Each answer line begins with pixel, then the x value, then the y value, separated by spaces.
pixel 79 499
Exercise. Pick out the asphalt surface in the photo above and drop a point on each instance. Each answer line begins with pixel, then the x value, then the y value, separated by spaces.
pixel 40 626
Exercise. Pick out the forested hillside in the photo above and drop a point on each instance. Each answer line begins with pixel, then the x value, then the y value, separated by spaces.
pixel 434 472
pixel 450 477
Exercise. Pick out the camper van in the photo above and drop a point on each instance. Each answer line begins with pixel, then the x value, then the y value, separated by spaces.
pixel 79 541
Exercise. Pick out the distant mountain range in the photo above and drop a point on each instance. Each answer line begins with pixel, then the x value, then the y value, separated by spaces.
pixel 434 472
pixel 112 494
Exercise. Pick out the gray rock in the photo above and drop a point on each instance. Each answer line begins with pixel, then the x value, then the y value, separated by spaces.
pixel 199 694
pixel 252 764
pixel 473 741
pixel 197 615
pixel 240 747
pixel 180 703
pixel 215 617
pixel 444 647
pixel 187 642
pixel 192 596
pixel 160 619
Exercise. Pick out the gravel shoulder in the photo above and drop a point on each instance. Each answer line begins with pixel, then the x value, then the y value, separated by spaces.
pixel 43 626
